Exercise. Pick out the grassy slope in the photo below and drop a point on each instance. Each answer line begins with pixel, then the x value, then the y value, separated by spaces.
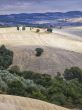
pixel 60 49
pixel 19 103
pixel 13 37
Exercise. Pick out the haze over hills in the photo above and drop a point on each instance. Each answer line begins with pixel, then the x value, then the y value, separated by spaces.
pixel 42 19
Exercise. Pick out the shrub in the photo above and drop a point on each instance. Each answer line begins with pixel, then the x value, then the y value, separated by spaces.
pixel 38 30
pixel 49 30
pixel 14 69
pixel 39 51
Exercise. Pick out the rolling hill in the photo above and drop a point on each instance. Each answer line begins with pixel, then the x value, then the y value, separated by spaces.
pixel 20 103
pixel 61 49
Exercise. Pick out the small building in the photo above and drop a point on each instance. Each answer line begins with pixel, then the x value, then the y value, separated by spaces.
pixel 21 28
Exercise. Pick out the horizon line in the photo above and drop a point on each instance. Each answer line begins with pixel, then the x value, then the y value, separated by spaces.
pixel 40 12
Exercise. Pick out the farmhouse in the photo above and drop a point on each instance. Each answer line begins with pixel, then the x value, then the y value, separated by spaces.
pixel 21 28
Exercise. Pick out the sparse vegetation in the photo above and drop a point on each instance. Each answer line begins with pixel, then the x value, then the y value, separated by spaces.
pixel 39 51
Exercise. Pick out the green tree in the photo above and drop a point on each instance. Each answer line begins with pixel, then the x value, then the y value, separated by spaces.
pixel 72 73
pixel 49 30
pixel 16 88
pixel 6 57
pixel 39 51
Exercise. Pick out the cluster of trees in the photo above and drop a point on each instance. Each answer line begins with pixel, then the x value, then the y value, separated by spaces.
pixel 56 90
pixel 50 30
pixel 6 57
pixel 65 91
pixel 72 73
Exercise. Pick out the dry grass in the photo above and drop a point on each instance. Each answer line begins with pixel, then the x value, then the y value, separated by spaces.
pixel 10 36
pixel 20 103
pixel 61 50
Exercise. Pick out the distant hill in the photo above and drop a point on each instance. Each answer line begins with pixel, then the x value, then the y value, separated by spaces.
pixel 41 19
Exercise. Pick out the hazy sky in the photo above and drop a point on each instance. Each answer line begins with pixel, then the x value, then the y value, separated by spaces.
pixel 27 6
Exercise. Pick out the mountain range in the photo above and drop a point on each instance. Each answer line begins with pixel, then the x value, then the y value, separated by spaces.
pixel 42 19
